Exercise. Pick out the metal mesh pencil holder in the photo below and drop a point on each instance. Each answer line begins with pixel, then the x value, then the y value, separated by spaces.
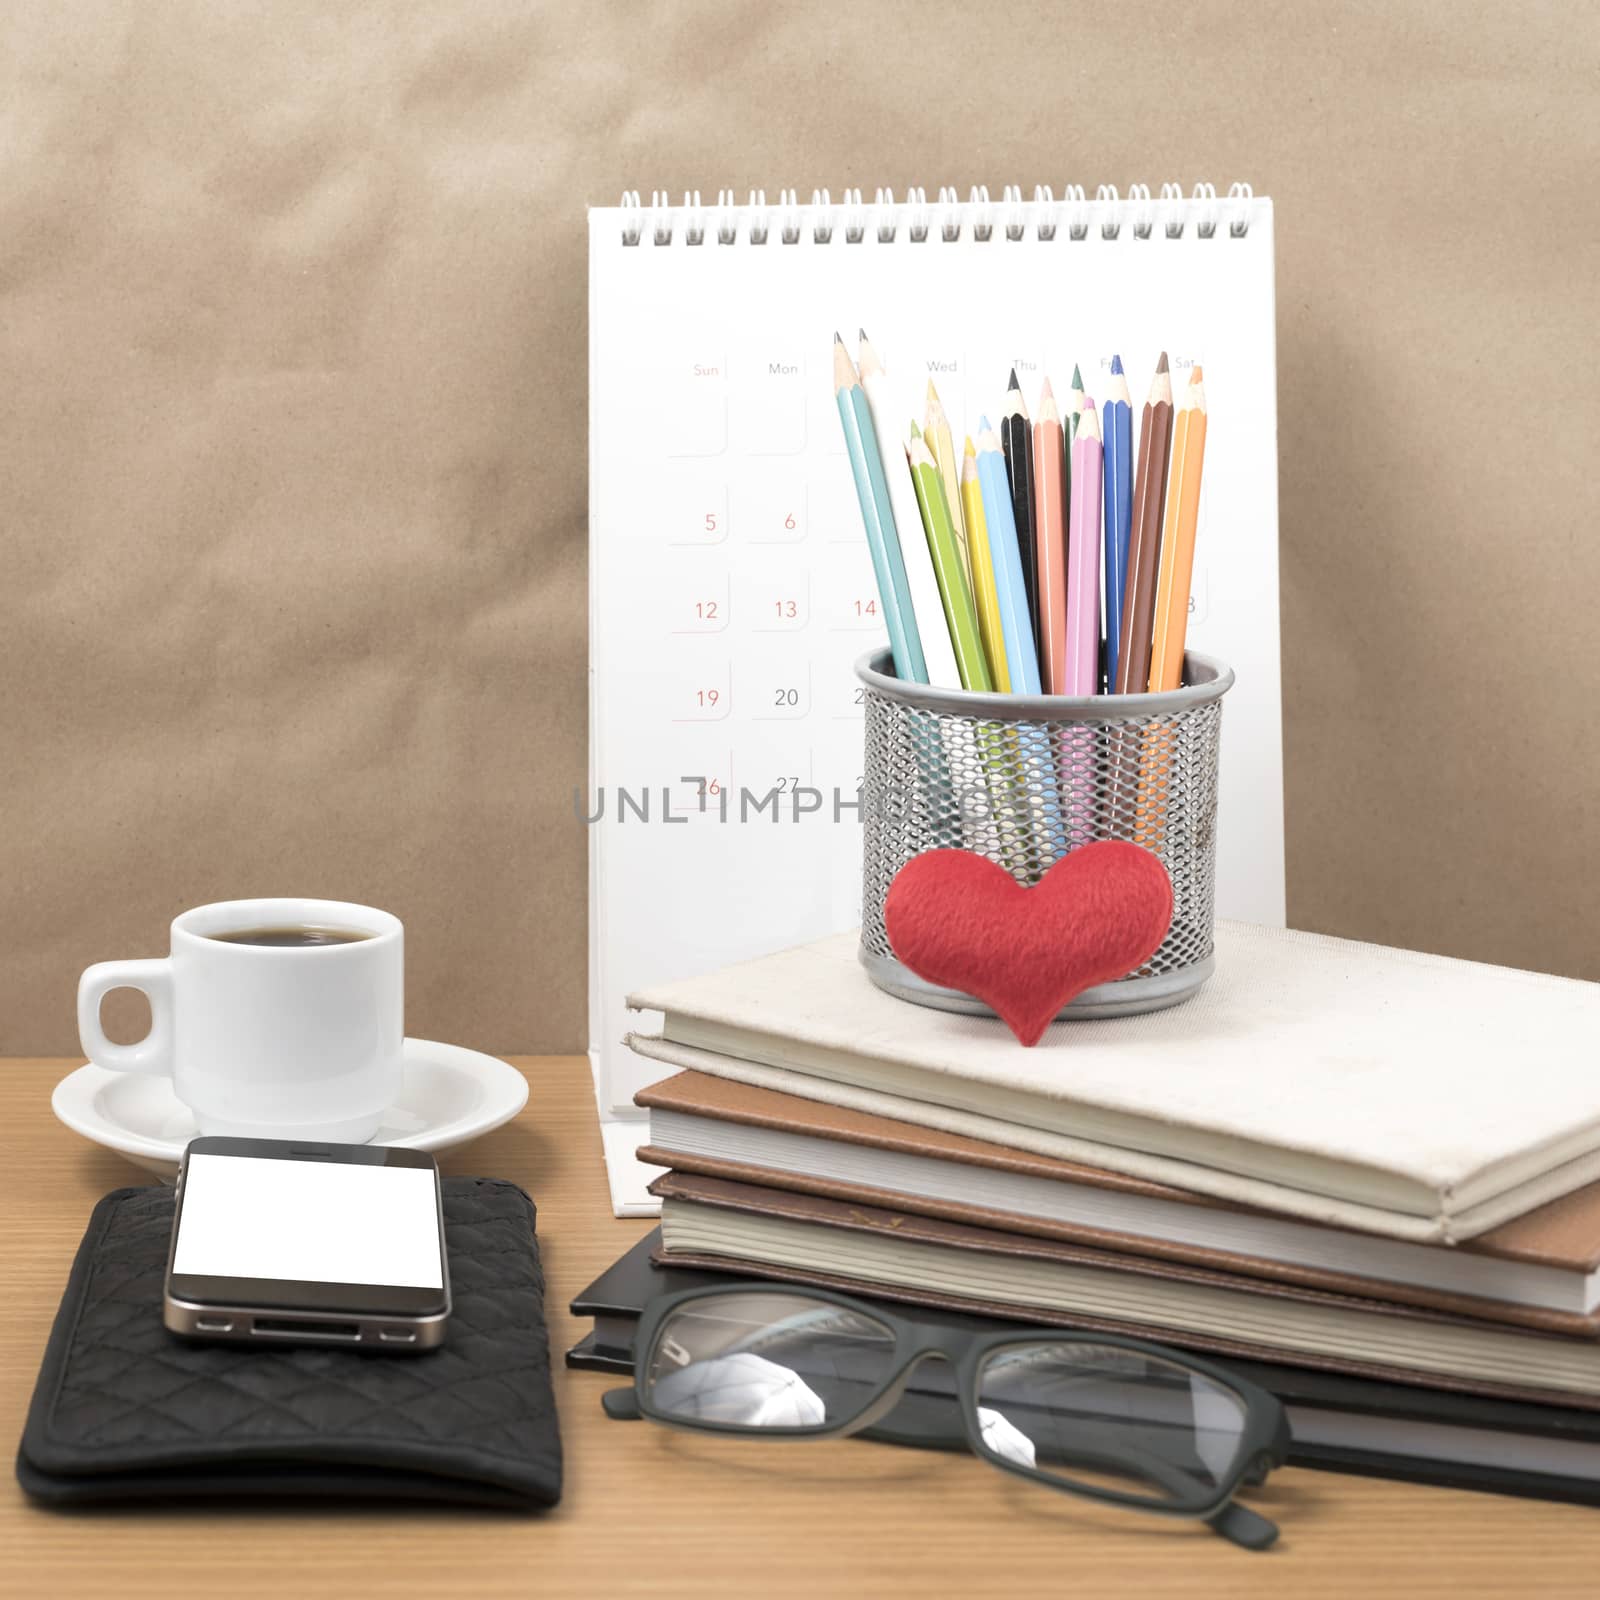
pixel 1022 779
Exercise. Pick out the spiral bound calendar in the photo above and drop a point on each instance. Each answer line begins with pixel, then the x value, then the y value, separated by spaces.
pixel 730 587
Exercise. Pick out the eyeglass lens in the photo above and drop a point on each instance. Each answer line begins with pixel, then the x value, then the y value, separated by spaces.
pixel 767 1361
pixel 1108 1418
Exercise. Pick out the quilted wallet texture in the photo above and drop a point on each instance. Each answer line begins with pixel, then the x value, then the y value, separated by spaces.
pixel 123 1410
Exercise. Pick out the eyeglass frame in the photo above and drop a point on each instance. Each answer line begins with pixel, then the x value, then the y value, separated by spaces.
pixel 1263 1439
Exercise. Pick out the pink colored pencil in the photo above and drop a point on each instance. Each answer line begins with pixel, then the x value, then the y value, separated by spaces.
pixel 1083 559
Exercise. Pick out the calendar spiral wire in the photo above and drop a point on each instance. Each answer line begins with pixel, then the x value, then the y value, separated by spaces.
pixel 850 221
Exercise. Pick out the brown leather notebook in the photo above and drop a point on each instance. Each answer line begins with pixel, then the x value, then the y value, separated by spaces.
pixel 1534 1271
pixel 772 1233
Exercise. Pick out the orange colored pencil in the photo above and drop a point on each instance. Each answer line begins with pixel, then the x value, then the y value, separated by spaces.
pixel 1177 538
pixel 1050 542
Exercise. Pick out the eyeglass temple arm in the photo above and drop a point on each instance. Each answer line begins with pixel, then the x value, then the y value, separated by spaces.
pixel 621 1405
pixel 1241 1526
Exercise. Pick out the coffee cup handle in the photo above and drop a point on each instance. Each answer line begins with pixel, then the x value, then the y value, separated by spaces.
pixel 153 1053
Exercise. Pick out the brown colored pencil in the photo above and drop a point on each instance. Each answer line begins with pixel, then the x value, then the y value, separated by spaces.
pixel 1144 544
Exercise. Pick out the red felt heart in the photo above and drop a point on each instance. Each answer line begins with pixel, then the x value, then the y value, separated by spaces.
pixel 962 922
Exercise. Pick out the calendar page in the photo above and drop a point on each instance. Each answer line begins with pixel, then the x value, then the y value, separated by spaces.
pixel 731 591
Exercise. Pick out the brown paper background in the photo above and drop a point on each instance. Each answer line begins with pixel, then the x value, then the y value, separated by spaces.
pixel 292 390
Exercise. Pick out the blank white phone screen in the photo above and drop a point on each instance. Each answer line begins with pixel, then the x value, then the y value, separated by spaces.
pixel 315 1221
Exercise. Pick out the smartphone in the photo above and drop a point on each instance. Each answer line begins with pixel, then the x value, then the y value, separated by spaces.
pixel 285 1242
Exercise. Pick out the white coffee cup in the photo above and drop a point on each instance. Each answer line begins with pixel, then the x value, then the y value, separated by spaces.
pixel 270 1041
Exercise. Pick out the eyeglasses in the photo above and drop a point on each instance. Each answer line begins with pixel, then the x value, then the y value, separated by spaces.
pixel 1113 1419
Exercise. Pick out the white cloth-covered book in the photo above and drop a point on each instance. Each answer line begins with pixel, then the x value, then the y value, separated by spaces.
pixel 1402 1093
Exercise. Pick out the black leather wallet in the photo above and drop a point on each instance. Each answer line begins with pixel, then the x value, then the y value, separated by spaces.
pixel 124 1410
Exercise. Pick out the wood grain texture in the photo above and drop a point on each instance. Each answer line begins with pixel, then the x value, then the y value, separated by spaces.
pixel 292 305
pixel 650 1512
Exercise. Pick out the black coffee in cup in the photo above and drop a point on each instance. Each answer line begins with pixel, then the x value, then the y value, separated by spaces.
pixel 294 936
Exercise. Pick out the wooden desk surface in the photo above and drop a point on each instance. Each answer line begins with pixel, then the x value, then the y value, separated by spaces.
pixel 651 1512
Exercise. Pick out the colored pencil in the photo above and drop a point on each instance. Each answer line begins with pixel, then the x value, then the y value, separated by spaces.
pixel 1074 404
pixel 1177 538
pixel 936 430
pixel 1077 744
pixel 980 810
pixel 1117 428
pixel 954 588
pixel 1016 439
pixel 1049 539
pixel 1005 548
pixel 1144 541
pixel 877 517
pixel 1030 807
pixel 985 593
pixel 1069 429
pixel 1083 559
pixel 939 657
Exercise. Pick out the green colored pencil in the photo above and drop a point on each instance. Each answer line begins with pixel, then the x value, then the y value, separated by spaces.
pixel 954 587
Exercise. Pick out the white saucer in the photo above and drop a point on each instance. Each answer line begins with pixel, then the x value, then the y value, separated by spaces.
pixel 447 1096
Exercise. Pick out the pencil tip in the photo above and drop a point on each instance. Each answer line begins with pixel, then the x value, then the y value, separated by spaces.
pixel 836 338
pixel 933 394
pixel 862 332
pixel 1047 393
pixel 1116 364
pixel 1197 374
pixel 1161 365
pixel 1077 377
pixel 1014 384
pixel 916 432
pixel 983 425
pixel 1088 403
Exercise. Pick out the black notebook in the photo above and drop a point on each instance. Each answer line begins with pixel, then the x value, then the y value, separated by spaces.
pixel 125 1410
pixel 1338 1423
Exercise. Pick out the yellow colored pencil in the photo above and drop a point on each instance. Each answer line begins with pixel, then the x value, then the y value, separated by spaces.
pixel 941 445
pixel 984 591
pixel 1177 539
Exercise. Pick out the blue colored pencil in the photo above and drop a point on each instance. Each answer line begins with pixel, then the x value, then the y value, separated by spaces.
pixel 1030 762
pixel 1016 617
pixel 877 516
pixel 1116 417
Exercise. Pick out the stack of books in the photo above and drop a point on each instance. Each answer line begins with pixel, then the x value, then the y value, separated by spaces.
pixel 1372 1175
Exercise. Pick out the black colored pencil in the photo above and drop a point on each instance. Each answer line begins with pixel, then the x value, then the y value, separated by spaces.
pixel 1016 439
